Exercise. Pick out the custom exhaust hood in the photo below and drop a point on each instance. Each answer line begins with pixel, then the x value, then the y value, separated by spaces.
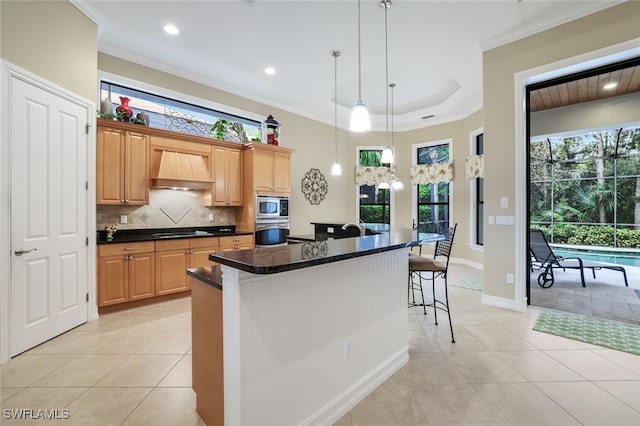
pixel 182 170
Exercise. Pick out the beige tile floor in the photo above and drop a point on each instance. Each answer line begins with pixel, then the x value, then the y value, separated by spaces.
pixel 134 368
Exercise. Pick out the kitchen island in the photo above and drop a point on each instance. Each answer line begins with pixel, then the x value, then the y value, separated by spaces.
pixel 307 330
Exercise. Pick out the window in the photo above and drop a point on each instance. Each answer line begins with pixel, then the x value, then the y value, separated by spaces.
pixel 433 199
pixel 184 117
pixel 584 188
pixel 374 204
pixel 478 184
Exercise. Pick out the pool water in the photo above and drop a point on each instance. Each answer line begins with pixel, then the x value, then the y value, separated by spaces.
pixel 617 257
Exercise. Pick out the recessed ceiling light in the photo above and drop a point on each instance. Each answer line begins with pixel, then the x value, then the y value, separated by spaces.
pixel 171 29
pixel 610 86
pixel 269 70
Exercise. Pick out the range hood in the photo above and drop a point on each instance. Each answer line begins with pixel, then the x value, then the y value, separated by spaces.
pixel 182 170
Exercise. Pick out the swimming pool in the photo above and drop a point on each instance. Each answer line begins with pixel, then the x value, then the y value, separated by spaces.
pixel 628 258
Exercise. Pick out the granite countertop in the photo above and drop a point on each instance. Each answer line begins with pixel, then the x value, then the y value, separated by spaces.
pixel 211 275
pixel 303 255
pixel 158 234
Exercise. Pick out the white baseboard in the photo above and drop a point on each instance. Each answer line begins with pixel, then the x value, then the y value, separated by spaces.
pixel 343 403
pixel 467 262
pixel 499 302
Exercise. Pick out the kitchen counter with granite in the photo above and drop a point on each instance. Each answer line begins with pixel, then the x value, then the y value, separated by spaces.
pixel 155 234
pixel 303 255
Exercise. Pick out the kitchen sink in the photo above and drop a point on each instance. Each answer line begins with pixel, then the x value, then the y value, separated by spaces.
pixel 181 234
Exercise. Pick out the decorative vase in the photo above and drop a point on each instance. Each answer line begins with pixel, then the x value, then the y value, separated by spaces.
pixel 106 107
pixel 124 108
pixel 144 117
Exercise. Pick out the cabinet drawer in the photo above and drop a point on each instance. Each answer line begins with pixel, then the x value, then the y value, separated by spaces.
pixel 126 248
pixel 236 242
pixel 172 244
pixel 204 242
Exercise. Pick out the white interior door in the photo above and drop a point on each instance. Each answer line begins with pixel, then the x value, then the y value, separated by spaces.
pixel 48 143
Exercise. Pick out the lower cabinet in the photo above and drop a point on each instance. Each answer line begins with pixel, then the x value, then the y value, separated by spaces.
pixel 133 271
pixel 236 242
pixel 125 272
pixel 172 261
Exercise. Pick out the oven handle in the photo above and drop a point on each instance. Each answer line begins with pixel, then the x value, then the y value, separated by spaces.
pixel 271 226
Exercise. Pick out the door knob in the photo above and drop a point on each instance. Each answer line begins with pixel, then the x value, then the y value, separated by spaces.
pixel 20 252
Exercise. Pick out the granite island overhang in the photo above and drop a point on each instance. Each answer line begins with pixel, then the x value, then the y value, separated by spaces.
pixel 307 330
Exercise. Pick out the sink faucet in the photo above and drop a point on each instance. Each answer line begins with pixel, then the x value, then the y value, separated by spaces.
pixel 357 224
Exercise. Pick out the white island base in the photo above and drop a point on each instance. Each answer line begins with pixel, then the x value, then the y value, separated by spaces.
pixel 305 346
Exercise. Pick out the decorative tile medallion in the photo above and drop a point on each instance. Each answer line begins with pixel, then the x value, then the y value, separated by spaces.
pixel 175 209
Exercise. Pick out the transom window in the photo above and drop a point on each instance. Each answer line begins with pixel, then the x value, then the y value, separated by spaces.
pixel 184 117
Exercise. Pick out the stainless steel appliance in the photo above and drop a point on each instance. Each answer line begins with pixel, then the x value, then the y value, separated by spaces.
pixel 271 234
pixel 272 208
pixel 272 220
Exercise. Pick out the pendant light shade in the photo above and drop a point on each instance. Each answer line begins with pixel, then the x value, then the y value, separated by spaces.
pixel 336 170
pixel 360 121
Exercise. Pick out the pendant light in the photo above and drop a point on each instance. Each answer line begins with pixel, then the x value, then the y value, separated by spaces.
pixel 360 121
pixel 336 170
pixel 387 153
pixel 396 183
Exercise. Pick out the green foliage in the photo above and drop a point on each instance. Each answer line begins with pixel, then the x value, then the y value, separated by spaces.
pixel 591 235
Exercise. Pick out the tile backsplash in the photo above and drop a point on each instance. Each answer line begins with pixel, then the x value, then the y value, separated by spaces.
pixel 167 208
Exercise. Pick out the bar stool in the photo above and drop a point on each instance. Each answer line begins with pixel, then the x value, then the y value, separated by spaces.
pixel 422 268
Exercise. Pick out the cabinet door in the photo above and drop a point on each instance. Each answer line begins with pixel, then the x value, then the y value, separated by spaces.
pixel 234 180
pixel 136 176
pixel 262 170
pixel 113 279
pixel 110 166
pixel 142 274
pixel 281 172
pixel 200 256
pixel 171 271
pixel 220 176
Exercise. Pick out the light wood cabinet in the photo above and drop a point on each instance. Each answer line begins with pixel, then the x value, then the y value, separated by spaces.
pixel 125 272
pixel 227 176
pixel 271 170
pixel 199 249
pixel 172 261
pixel 236 242
pixel 122 166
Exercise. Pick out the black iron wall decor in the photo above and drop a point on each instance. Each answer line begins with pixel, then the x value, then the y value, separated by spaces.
pixel 314 186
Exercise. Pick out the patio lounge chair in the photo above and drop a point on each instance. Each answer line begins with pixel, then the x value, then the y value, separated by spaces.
pixel 542 254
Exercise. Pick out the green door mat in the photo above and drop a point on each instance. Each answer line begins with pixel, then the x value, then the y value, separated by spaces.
pixel 472 282
pixel 610 334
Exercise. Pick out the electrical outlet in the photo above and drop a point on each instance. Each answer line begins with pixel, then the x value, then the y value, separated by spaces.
pixel 510 279
pixel 212 217
pixel 504 202
pixel 123 219
pixel 347 350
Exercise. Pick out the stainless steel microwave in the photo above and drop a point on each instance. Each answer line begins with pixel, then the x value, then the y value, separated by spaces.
pixel 270 207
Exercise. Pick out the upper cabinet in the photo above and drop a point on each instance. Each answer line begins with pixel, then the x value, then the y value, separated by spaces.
pixel 122 166
pixel 271 168
pixel 227 177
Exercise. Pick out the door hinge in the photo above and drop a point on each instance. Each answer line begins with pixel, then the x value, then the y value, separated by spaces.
pixel 86 241
pixel 86 128
pixel 87 297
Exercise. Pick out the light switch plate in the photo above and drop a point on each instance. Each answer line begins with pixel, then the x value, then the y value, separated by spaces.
pixel 123 219
pixel 492 220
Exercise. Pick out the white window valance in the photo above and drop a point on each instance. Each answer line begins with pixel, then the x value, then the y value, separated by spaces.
pixel 431 173
pixel 474 166
pixel 372 175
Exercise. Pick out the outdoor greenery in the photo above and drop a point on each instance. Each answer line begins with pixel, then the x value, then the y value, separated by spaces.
pixel 433 198
pixel 585 189
pixel 375 203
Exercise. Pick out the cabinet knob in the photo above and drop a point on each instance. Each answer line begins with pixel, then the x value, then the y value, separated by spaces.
pixel 126 201
pixel 122 201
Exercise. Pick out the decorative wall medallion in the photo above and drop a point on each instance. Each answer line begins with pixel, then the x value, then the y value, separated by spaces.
pixel 314 186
